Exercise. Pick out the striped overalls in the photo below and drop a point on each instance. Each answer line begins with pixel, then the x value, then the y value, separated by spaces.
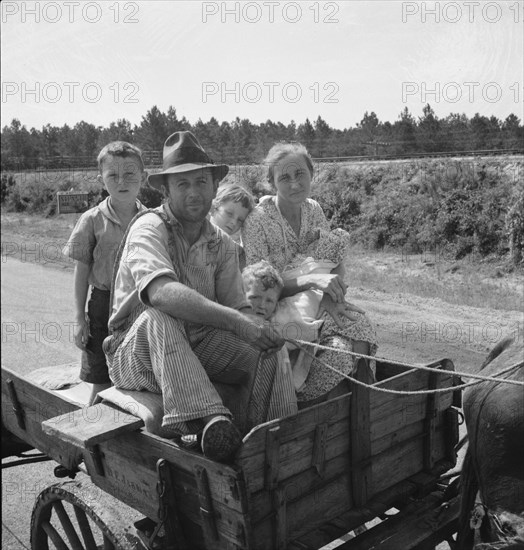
pixel 199 370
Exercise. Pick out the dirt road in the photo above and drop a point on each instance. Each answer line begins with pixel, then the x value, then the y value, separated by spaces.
pixel 36 309
pixel 421 330
pixel 37 316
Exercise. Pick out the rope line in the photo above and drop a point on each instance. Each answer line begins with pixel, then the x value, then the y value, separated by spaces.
pixel 422 367
pixel 299 343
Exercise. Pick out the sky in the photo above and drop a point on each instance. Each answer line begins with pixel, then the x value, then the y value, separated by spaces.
pixel 64 62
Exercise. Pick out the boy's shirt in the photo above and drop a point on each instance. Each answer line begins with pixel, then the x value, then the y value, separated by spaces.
pixel 95 241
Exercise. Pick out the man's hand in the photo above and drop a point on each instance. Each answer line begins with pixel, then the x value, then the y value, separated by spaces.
pixel 338 311
pixel 259 333
pixel 331 284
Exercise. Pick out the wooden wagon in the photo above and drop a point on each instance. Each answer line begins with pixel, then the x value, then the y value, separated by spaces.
pixel 296 484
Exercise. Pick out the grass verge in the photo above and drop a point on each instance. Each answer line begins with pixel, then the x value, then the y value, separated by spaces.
pixel 483 284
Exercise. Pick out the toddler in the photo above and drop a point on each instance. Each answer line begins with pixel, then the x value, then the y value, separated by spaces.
pixel 263 286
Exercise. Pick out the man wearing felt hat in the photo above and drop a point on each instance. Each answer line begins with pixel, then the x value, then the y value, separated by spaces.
pixel 180 320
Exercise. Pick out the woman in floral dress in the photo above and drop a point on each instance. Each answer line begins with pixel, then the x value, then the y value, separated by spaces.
pixel 286 229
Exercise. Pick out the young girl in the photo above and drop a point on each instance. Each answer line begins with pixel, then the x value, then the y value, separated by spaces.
pixel 229 211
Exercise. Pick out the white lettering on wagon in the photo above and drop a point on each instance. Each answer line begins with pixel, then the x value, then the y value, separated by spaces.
pixel 126 483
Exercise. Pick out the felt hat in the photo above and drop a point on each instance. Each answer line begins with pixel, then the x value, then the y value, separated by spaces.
pixel 183 153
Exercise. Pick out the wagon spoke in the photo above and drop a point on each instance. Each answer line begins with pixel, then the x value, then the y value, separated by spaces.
pixel 85 529
pixel 52 533
pixel 93 526
pixel 67 526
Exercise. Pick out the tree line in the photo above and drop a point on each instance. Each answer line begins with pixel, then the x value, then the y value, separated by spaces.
pixel 242 141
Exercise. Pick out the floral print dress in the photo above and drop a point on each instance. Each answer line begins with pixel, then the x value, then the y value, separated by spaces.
pixel 266 235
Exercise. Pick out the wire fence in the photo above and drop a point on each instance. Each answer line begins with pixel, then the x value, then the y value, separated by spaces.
pixel 153 159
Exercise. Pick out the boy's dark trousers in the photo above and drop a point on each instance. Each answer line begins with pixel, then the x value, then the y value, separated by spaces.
pixel 94 367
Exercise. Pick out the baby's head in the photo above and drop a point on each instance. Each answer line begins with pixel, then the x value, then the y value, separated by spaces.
pixel 231 207
pixel 263 286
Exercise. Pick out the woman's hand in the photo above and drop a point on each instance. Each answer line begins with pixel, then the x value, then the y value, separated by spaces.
pixel 331 284
pixel 338 311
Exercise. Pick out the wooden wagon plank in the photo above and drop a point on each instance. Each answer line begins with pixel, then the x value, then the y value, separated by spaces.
pixel 296 487
pixel 411 432
pixel 307 513
pixel 63 453
pixel 35 400
pixel 411 380
pixel 297 454
pixel 388 370
pixel 91 425
pixel 433 401
pixel 144 449
pixel 402 461
pixel 296 426
pixel 304 511
pixel 360 434
pixel 301 545
pixel 315 539
pixel 411 404
pixel 423 521
pixel 307 517
pixel 128 475
pixel 300 428
pixel 405 411
pixel 396 437
pixel 37 404
pixel 395 452
pixel 402 492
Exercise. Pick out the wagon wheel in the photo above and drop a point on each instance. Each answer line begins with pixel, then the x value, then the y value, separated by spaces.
pixel 77 515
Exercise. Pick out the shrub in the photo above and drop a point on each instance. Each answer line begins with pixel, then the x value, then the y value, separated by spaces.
pixel 149 197
pixel 8 183
pixel 459 206
pixel 15 202
pixel 251 177
pixel 38 197
pixel 514 227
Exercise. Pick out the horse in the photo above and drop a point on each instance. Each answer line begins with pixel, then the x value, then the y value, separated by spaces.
pixel 492 479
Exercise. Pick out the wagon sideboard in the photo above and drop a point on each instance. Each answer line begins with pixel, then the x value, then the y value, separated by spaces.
pixel 340 463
